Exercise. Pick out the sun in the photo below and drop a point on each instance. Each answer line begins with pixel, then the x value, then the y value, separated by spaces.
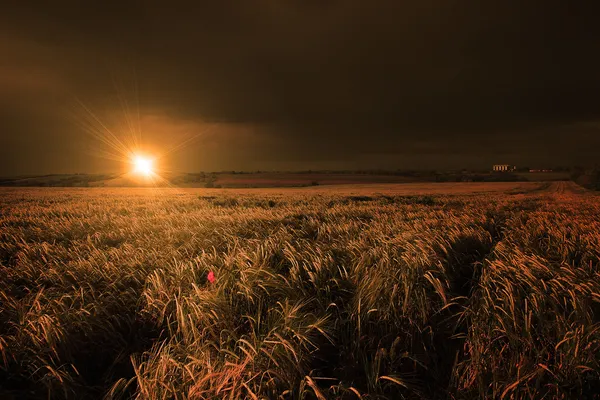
pixel 142 165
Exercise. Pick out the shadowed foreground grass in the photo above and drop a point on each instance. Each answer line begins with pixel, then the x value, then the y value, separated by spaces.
pixel 105 295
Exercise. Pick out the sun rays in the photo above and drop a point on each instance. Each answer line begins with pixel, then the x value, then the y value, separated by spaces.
pixel 118 134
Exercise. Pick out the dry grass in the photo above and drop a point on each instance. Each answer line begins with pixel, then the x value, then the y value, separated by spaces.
pixel 318 294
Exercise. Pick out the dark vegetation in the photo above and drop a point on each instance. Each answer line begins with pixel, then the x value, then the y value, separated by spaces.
pixel 588 178
pixel 365 296
pixel 281 179
pixel 64 180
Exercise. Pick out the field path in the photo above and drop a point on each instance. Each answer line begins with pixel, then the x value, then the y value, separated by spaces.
pixel 565 187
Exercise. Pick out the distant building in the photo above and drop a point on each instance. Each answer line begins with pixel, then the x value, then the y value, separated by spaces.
pixel 540 170
pixel 503 168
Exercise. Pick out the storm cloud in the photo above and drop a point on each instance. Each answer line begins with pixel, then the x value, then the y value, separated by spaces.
pixel 303 84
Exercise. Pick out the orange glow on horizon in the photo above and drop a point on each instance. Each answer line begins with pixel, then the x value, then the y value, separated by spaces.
pixel 142 165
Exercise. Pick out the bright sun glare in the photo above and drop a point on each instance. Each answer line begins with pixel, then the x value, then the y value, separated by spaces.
pixel 142 165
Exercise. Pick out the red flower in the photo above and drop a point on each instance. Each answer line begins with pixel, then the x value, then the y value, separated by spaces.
pixel 211 277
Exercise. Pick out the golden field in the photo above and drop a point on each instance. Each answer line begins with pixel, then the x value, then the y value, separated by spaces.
pixel 458 291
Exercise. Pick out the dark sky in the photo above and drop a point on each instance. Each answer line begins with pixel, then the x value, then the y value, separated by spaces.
pixel 299 84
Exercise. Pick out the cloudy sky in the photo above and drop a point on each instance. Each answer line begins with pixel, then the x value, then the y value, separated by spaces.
pixel 298 84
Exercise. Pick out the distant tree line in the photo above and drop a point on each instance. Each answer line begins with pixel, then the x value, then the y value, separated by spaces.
pixel 588 178
pixel 59 180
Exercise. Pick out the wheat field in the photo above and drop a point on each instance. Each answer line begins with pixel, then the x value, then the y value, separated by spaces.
pixel 472 291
